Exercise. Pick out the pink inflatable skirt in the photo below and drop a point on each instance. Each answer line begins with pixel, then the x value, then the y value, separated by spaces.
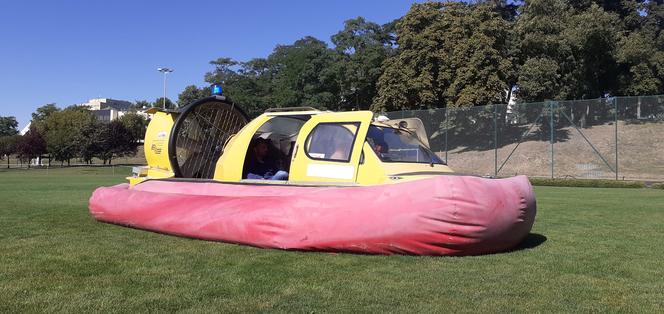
pixel 443 215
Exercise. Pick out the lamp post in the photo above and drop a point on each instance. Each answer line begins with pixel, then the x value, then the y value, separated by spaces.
pixel 165 71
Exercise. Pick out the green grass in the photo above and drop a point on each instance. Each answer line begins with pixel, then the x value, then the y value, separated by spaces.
pixel 603 252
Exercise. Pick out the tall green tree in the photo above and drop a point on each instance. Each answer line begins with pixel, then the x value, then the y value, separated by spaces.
pixel 192 93
pixel 292 75
pixel 548 67
pixel 248 84
pixel 31 145
pixel 43 112
pixel 643 63
pixel 640 52
pixel 89 141
pixel 114 139
pixel 159 103
pixel 62 132
pixel 299 74
pixel 8 126
pixel 593 35
pixel 8 146
pixel 361 47
pixel 136 125
pixel 450 54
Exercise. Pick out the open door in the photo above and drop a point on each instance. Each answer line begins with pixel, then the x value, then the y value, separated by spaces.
pixel 329 147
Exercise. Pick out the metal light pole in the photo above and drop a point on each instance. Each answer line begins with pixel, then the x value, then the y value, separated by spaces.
pixel 165 71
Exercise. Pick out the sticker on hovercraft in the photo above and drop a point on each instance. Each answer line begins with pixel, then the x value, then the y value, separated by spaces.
pixel 157 147
pixel 330 171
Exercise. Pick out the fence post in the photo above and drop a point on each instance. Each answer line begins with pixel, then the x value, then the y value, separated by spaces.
pixel 495 140
pixel 615 122
pixel 551 103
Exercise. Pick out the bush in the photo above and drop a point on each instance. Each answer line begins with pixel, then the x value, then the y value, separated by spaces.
pixel 658 186
pixel 588 183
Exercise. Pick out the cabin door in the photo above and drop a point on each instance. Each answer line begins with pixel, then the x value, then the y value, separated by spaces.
pixel 329 147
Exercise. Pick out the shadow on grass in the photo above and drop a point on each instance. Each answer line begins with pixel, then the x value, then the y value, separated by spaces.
pixel 531 241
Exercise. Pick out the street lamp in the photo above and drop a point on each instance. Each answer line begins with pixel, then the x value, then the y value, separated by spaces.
pixel 165 71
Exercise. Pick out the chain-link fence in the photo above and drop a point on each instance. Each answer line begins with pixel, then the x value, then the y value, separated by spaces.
pixel 608 138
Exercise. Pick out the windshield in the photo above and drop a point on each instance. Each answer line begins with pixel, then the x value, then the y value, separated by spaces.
pixel 397 145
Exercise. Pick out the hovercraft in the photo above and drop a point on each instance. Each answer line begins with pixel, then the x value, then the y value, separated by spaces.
pixel 311 180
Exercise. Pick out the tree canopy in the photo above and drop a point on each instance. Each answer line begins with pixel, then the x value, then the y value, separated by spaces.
pixel 159 103
pixel 8 126
pixel 450 54
pixel 43 112
pixel 8 145
pixel 31 144
pixel 459 54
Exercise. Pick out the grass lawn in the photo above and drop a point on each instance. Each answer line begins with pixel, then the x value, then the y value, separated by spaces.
pixel 592 250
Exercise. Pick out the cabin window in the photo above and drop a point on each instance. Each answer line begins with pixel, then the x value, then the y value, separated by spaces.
pixel 397 145
pixel 332 141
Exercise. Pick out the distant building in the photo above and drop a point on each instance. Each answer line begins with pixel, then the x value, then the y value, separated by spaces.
pixel 107 115
pixel 107 103
pixel 107 109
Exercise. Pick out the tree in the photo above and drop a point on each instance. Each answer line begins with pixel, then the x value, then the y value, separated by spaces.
pixel 361 47
pixel 159 103
pixel 593 35
pixel 115 140
pixel 299 76
pixel 462 54
pixel 31 145
pixel 292 75
pixel 62 131
pixel 450 54
pixel 598 48
pixel 539 79
pixel 192 93
pixel 544 49
pixel 8 146
pixel 43 112
pixel 249 84
pixel 140 105
pixel 136 124
pixel 8 126
pixel 88 141
pixel 641 56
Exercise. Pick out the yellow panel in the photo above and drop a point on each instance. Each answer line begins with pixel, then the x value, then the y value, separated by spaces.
pixel 156 140
pixel 230 164
pixel 371 169
pixel 306 169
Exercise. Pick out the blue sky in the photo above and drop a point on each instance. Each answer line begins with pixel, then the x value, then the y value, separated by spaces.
pixel 69 51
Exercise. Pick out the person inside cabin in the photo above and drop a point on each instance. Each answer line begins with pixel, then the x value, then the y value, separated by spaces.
pixel 376 139
pixel 261 165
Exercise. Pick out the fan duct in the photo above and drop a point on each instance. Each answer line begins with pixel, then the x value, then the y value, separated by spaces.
pixel 199 134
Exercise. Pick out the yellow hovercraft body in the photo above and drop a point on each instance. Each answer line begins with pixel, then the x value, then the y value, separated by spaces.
pixel 211 138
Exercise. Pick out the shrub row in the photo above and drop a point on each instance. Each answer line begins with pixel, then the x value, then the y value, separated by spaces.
pixel 589 183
